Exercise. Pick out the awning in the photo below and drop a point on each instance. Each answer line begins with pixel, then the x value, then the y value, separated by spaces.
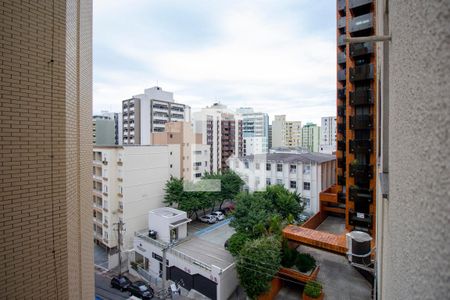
pixel 179 223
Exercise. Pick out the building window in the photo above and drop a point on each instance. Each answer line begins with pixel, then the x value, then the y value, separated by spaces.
pixel 197 175
pixel 293 168
pixel 306 170
pixel 206 163
pixel 268 181
pixel 280 181
pixel 171 166
pixel 306 186
pixel 257 166
pixel 171 135
pixel 307 202
pixel 293 184
pixel 268 167
pixel 246 164
pixel 279 167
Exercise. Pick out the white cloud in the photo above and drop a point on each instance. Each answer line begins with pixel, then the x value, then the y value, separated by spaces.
pixel 255 61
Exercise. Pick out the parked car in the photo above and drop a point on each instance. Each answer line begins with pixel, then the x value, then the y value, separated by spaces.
pixel 210 219
pixel 219 215
pixel 120 282
pixel 141 290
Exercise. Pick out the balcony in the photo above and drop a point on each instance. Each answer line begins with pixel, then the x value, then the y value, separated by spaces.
pixel 341 40
pixel 341 23
pixel 361 170
pixel 361 122
pixel 341 75
pixel 341 5
pixel 358 3
pixel 341 180
pixel 363 72
pixel 360 146
pixel 341 94
pixel 361 23
pixel 361 49
pixel 341 58
pixel 341 163
pixel 361 96
pixel 360 219
pixel 341 128
pixel 356 193
pixel 341 110
pixel 341 145
pixel 341 198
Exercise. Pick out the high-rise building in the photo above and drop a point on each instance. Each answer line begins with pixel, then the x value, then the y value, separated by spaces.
pixel 286 133
pixel 221 129
pixel 107 129
pixel 255 130
pixel 193 158
pixel 124 188
pixel 270 137
pixel 147 113
pixel 46 142
pixel 328 135
pixel 310 137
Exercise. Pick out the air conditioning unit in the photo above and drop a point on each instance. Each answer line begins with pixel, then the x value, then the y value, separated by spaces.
pixel 359 248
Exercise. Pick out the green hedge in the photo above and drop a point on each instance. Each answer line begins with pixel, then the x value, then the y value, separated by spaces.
pixel 313 289
pixel 305 262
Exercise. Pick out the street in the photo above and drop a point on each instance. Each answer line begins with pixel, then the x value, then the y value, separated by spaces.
pixel 104 291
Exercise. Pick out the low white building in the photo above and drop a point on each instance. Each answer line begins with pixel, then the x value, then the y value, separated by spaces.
pixel 194 263
pixel 304 172
pixel 128 181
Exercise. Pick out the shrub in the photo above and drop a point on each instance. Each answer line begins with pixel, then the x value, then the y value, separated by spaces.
pixel 236 242
pixel 288 256
pixel 313 289
pixel 305 262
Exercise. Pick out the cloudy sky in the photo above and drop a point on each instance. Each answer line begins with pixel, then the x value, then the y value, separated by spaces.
pixel 277 56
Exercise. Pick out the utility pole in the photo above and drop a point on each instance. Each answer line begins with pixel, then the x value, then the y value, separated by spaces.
pixel 119 240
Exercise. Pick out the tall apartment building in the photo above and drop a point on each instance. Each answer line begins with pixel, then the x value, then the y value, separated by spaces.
pixel 255 131
pixel 286 133
pixel 302 172
pixel 46 139
pixel 128 181
pixel 328 135
pixel 107 129
pixel 270 137
pixel 310 137
pixel 147 113
pixel 221 129
pixel 413 177
pixel 194 158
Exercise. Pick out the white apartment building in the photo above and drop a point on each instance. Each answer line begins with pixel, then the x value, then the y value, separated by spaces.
pixel 127 183
pixel 328 135
pixel 221 129
pixel 286 133
pixel 107 129
pixel 255 130
pixel 194 157
pixel 311 137
pixel 304 172
pixel 147 113
pixel 194 263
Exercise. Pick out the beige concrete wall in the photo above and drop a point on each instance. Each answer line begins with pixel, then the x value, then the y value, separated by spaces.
pixel 46 149
pixel 414 242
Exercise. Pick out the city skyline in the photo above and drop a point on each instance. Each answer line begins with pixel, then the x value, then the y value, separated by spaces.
pixel 264 55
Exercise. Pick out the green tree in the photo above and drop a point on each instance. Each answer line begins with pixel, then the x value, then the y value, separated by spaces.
pixel 285 202
pixel 236 242
pixel 258 262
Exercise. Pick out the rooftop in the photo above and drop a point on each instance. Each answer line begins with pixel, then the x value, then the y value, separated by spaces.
pixel 167 212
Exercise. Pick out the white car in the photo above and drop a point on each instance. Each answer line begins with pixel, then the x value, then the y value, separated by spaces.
pixel 219 215
pixel 210 219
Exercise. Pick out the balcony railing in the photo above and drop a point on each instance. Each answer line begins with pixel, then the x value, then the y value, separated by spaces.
pixel 341 94
pixel 341 75
pixel 361 96
pixel 361 23
pixel 341 22
pixel 341 40
pixel 356 193
pixel 360 219
pixel 361 122
pixel 360 146
pixel 361 170
pixel 361 49
pixel 358 3
pixel 341 58
pixel 341 5
pixel 341 110
pixel 341 145
pixel 363 72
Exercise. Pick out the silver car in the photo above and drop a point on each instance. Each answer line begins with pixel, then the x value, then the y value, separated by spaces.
pixel 210 219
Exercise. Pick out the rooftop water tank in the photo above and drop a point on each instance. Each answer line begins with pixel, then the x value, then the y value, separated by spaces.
pixel 359 247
